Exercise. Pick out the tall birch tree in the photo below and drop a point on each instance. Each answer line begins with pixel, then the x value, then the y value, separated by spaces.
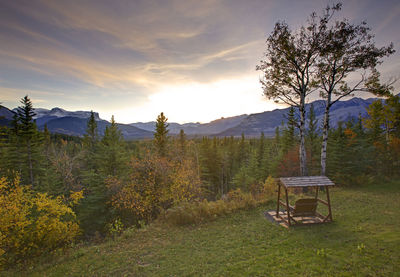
pixel 288 67
pixel 347 64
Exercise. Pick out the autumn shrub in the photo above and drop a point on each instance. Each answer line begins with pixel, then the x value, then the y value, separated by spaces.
pixel 184 214
pixel 239 200
pixel 33 223
pixel 154 184
pixel 289 164
pixel 201 211
pixel 270 187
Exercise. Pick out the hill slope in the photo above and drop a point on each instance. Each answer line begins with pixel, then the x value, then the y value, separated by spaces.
pixel 6 116
pixel 213 127
pixel 76 126
pixel 266 122
pixel 363 240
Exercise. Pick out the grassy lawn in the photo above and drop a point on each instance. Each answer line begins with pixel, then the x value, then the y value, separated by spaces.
pixel 363 240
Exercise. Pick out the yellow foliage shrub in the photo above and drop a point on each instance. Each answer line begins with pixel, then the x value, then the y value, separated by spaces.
pixel 154 184
pixel 32 223
pixel 270 187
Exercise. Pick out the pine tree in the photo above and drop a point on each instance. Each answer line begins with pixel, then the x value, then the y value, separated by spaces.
pixel 4 150
pixel 182 143
pixel 91 136
pixel 262 171
pixel 242 153
pixel 216 168
pixel 11 156
pixel 112 151
pixel 288 138
pixel 29 140
pixel 25 118
pixel 160 136
pixel 49 178
pixel 275 153
pixel 277 136
pixel 93 211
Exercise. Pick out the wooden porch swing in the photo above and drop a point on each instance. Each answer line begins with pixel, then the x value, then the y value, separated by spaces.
pixel 305 210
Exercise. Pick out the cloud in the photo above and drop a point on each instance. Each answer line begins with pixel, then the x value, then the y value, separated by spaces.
pixel 11 96
pixel 111 53
pixel 162 40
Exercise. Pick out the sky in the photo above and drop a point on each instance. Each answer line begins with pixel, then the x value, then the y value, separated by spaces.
pixel 193 60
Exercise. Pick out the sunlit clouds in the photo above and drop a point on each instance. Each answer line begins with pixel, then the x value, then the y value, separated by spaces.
pixel 193 60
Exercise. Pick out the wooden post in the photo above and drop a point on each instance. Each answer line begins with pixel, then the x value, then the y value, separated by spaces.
pixel 287 206
pixel 329 203
pixel 279 197
pixel 316 192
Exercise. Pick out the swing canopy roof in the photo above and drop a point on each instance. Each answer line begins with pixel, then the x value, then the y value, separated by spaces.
pixel 306 181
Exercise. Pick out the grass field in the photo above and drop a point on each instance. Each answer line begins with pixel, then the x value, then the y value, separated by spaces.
pixel 363 240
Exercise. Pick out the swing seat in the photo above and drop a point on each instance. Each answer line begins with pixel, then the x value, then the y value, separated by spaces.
pixel 304 207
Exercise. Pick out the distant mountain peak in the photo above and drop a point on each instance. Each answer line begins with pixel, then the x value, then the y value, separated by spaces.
pixel 57 109
pixel 59 112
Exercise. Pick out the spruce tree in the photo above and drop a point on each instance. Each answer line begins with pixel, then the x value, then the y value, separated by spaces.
pixel 160 136
pixel 93 212
pixel 215 165
pixel 91 136
pixel 113 158
pixel 242 153
pixel 11 156
pixel 182 143
pixel 262 171
pixel 288 138
pixel 29 140
pixel 49 178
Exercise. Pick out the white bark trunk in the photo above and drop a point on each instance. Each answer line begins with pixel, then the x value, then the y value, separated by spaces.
pixel 303 156
pixel 324 145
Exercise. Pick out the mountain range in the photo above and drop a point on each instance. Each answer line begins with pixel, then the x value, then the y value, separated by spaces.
pixel 74 123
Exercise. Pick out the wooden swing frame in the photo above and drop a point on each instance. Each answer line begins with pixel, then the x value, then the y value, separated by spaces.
pixel 288 217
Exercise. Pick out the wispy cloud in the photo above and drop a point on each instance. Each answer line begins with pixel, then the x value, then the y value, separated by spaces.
pixel 114 51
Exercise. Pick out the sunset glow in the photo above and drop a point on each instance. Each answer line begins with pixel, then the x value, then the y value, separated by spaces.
pixel 200 102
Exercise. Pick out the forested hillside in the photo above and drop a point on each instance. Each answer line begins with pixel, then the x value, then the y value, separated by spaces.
pixel 56 189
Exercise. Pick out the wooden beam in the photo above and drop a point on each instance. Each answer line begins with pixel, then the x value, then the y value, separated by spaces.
pixel 329 203
pixel 319 215
pixel 279 196
pixel 282 203
pixel 323 201
pixel 287 206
